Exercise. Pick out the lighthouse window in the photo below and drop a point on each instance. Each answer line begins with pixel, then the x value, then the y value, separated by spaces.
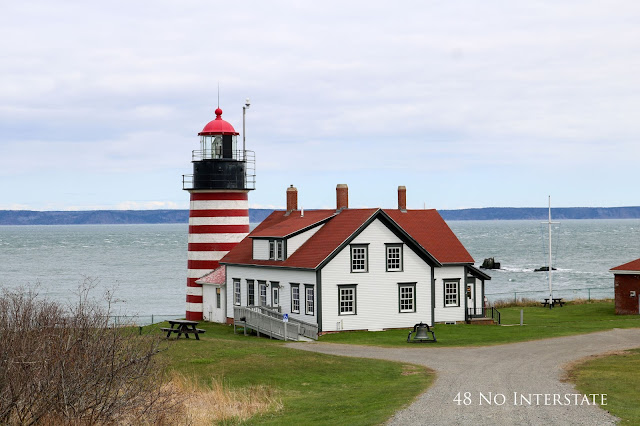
pixel 216 146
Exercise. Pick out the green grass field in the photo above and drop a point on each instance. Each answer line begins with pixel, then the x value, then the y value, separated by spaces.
pixel 314 388
pixel 618 376
pixel 540 323
pixel 323 389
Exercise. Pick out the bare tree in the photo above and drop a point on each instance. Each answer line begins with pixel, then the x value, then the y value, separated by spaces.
pixel 71 365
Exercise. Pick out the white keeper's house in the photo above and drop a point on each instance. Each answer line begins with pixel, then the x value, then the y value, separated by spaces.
pixel 349 269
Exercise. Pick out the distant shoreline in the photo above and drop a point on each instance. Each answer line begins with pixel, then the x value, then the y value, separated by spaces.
pixel 115 217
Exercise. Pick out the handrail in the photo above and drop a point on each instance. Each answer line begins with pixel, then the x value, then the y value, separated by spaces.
pixel 267 321
pixel 307 326
pixel 482 313
pixel 495 312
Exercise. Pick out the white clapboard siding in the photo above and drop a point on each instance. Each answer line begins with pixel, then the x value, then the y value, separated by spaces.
pixel 377 296
pixel 294 243
pixel 283 276
pixel 260 249
pixel 210 310
pixel 449 313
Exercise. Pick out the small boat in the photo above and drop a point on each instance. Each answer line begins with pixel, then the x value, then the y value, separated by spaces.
pixel 544 269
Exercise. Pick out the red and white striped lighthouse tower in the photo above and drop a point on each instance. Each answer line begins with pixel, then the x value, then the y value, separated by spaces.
pixel 222 177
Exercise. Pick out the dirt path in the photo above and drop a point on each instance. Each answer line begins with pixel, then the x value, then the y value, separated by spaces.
pixel 524 368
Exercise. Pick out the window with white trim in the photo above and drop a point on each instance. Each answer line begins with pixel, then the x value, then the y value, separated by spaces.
pixel 251 293
pixel 407 297
pixel 347 299
pixel 276 250
pixel 359 258
pixel 275 294
pixel 394 257
pixel 295 298
pixel 272 249
pixel 236 292
pixel 262 288
pixel 451 293
pixel 309 299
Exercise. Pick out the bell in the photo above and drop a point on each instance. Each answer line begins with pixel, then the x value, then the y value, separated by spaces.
pixel 422 332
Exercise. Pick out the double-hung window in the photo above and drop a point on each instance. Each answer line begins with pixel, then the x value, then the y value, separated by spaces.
pixel 236 292
pixel 309 299
pixel 407 297
pixel 275 293
pixel 451 293
pixel 394 257
pixel 347 299
pixel 276 250
pixel 251 293
pixel 359 258
pixel 295 298
pixel 262 288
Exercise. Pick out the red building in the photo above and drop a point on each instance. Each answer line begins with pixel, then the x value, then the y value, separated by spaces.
pixel 627 288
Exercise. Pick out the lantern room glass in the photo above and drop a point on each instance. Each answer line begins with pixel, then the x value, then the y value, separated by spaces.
pixel 211 147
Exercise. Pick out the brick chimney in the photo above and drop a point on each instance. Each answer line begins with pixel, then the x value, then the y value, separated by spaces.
pixel 292 199
pixel 402 198
pixel 342 196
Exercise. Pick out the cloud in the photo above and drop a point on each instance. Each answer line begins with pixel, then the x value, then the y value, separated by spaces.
pixel 377 89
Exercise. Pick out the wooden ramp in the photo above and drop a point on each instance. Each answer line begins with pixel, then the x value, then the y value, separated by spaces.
pixel 272 323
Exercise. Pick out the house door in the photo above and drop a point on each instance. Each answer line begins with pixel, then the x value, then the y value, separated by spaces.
pixel 218 311
pixel 471 297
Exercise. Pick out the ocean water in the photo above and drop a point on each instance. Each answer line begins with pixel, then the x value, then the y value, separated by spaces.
pixel 145 265
pixel 583 251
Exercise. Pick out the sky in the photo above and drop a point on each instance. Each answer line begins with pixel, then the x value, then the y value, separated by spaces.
pixel 466 103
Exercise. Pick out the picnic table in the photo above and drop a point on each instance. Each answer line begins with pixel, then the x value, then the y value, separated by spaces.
pixel 554 301
pixel 181 327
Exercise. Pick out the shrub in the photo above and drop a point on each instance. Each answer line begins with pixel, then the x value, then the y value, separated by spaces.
pixel 69 365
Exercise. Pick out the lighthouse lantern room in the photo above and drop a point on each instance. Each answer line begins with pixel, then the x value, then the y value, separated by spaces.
pixel 222 177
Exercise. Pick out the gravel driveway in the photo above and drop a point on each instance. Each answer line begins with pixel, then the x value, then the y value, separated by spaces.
pixel 495 371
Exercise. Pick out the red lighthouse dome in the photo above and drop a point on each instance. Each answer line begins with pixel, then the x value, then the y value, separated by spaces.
pixel 218 126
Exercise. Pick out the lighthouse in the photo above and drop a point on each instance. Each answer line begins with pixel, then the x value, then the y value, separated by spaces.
pixel 222 177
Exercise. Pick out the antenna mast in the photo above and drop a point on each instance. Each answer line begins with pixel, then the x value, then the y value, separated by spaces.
pixel 550 257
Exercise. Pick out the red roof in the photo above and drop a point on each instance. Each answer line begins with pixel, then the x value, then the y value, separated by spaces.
pixel 217 276
pixel 430 230
pixel 218 126
pixel 634 265
pixel 293 223
pixel 426 227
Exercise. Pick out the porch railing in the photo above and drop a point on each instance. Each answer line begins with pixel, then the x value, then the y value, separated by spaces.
pixel 484 313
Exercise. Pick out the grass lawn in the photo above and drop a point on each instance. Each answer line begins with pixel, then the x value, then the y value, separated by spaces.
pixel 617 376
pixel 540 323
pixel 314 388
